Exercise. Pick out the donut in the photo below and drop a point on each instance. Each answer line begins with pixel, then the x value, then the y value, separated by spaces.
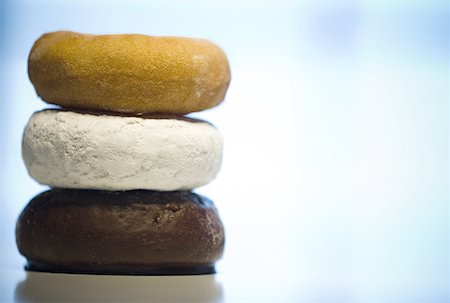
pixel 131 232
pixel 128 73
pixel 69 149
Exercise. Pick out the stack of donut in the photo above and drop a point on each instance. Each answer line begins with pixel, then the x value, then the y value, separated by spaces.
pixel 120 156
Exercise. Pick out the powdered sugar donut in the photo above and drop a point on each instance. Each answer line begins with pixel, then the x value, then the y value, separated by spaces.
pixel 95 151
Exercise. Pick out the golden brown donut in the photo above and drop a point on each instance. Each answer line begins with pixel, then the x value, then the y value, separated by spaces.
pixel 128 73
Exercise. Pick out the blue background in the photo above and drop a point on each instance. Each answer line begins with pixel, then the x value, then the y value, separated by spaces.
pixel 335 181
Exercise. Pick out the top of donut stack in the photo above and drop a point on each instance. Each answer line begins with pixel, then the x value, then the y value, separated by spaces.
pixel 128 73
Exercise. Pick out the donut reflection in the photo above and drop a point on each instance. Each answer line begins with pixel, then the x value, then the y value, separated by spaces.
pixel 47 287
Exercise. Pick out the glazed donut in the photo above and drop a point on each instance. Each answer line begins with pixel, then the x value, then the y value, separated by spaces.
pixel 69 149
pixel 132 232
pixel 128 73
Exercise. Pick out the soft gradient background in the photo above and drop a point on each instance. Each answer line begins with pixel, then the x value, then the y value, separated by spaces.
pixel 335 182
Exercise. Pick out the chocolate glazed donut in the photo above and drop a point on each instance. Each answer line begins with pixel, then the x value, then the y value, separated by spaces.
pixel 110 232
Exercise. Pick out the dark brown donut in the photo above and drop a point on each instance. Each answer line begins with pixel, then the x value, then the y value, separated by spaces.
pixel 131 232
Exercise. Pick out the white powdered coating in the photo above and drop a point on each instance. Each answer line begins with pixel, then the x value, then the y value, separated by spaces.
pixel 73 150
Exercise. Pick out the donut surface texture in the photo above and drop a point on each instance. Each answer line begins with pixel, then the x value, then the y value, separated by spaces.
pixel 68 149
pixel 128 73
pixel 131 232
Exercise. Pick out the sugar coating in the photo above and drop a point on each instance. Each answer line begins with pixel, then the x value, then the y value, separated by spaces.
pixel 75 150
